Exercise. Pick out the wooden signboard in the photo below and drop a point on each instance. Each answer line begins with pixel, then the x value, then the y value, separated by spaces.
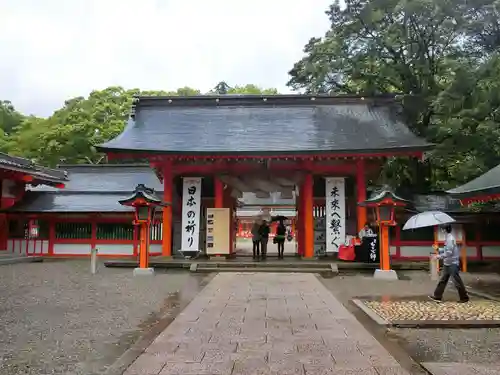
pixel 218 231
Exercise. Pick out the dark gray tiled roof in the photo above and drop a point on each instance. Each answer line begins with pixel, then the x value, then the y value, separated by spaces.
pixel 91 188
pixel 39 173
pixel 250 125
pixel 107 178
pixel 44 201
pixel 487 183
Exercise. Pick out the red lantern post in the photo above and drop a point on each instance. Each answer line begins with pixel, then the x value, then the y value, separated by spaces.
pixel 145 202
pixel 385 204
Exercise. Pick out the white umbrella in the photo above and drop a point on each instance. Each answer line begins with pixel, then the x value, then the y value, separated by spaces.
pixel 428 219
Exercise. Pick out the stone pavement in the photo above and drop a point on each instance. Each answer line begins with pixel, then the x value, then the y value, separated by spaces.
pixel 244 323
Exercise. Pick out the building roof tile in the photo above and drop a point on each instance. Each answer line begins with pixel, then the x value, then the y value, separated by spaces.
pixel 264 125
pixel 486 184
pixel 39 173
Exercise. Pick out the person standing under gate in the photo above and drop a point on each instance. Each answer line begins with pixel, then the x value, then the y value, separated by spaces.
pixel 451 262
pixel 264 238
pixel 279 238
pixel 256 239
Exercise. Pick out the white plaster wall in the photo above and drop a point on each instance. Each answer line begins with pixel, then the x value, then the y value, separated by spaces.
pixel 392 250
pixel 155 248
pixel 18 246
pixel 115 249
pixel 491 251
pixel 424 251
pixel 72 249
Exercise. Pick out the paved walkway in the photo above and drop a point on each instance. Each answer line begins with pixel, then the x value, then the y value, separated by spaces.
pixel 260 324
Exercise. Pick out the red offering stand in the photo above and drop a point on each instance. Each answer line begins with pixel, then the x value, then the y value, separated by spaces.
pixel 346 252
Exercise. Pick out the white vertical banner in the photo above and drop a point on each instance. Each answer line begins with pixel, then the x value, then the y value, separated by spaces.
pixel 191 203
pixel 335 213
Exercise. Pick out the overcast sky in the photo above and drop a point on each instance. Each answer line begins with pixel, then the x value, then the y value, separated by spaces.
pixel 51 50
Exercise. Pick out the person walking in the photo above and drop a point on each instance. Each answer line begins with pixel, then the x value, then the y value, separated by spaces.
pixel 264 238
pixel 279 238
pixel 256 239
pixel 450 255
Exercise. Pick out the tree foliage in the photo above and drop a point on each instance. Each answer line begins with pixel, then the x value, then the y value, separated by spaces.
pixel 440 55
pixel 70 134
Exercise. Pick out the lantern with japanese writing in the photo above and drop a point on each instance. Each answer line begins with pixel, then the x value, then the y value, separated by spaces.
pixel 34 229
pixel 145 201
pixel 385 203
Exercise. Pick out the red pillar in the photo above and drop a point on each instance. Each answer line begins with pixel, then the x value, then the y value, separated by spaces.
pixel 143 250
pixel 300 222
pixel 52 236
pixel 167 211
pixel 361 193
pixel 384 248
pixel 219 193
pixel 4 229
pixel 308 202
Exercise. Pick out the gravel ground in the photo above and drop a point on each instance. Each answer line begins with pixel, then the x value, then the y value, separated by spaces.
pixel 57 318
pixel 426 345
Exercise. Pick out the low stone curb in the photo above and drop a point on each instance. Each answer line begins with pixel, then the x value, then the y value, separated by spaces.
pixel 477 293
pixel 19 259
pixel 371 314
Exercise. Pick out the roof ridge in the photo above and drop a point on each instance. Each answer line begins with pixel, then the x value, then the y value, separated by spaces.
pixel 82 192
pixel 83 166
pixel 259 99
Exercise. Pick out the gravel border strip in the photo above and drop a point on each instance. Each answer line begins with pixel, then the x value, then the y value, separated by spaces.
pixel 372 314
pixel 145 340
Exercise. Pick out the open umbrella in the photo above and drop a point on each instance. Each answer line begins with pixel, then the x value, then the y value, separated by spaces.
pixel 279 218
pixel 428 219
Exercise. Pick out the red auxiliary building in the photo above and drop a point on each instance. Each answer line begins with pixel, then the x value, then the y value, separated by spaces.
pixel 15 174
pixel 324 148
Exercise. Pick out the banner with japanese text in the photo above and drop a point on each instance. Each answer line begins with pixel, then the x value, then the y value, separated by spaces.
pixel 335 213
pixel 191 202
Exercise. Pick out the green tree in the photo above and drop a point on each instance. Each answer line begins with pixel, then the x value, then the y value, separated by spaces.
pixel 466 130
pixel 70 134
pixel 418 48
pixel 222 88
pixel 252 90
pixel 9 117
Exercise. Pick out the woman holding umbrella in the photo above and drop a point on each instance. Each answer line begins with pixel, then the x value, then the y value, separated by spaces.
pixel 280 236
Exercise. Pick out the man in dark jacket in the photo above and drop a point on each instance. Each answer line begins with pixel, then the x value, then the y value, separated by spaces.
pixel 264 238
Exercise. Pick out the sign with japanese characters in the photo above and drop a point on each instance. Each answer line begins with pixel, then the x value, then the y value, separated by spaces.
pixel 373 249
pixel 335 213
pixel 191 202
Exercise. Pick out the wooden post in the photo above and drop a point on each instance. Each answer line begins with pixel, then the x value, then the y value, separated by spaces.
pixel 384 247
pixel 219 193
pixel 308 202
pixel 360 193
pixel 464 249
pixel 93 260
pixel 167 211
pixel 436 245
pixel 143 250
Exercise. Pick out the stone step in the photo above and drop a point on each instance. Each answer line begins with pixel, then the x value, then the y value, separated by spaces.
pixel 323 271
pixel 264 264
